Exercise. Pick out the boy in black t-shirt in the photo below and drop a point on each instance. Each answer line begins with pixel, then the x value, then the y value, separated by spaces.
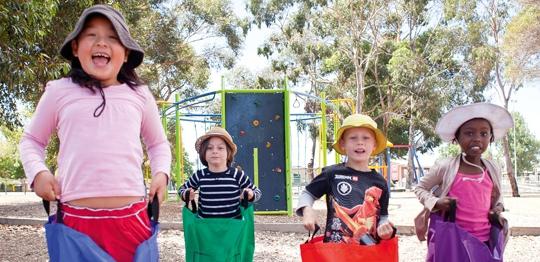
pixel 356 196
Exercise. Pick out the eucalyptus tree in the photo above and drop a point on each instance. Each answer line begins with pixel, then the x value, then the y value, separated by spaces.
pixel 185 39
pixel 424 74
pixel 497 16
pixel 524 146
pixel 31 33
pixel 521 45
pixel 23 63
pixel 297 51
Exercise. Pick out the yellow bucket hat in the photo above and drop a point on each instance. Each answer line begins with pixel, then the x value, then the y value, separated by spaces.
pixel 359 120
pixel 219 132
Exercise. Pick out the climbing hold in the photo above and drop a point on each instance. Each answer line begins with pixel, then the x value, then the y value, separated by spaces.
pixel 276 197
pixel 256 122
pixel 277 117
pixel 242 132
pixel 268 144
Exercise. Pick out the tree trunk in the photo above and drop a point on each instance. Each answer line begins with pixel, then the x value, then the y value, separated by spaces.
pixel 359 91
pixel 311 164
pixel 359 83
pixel 510 167
pixel 410 157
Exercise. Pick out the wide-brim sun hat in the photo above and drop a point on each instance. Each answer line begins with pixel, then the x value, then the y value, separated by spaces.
pixel 216 131
pixel 359 120
pixel 136 54
pixel 498 117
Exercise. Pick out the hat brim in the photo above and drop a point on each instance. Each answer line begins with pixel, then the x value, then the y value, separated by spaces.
pixel 379 137
pixel 136 54
pixel 207 136
pixel 499 118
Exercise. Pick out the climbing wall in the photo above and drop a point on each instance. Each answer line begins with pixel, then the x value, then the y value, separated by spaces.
pixel 256 120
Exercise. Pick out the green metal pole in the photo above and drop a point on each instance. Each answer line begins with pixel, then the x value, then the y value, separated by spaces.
pixel 336 128
pixel 164 123
pixel 286 124
pixel 163 117
pixel 323 127
pixel 223 120
pixel 179 150
pixel 256 166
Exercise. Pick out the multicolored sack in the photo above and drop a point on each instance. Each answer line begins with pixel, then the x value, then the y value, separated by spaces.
pixel 67 244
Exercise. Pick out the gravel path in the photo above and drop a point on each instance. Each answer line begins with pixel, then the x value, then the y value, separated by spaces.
pixel 27 243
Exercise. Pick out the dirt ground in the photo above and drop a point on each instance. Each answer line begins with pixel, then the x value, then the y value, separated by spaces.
pixel 27 243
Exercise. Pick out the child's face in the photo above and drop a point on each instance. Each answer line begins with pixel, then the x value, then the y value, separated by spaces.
pixel 216 152
pixel 358 143
pixel 100 51
pixel 474 137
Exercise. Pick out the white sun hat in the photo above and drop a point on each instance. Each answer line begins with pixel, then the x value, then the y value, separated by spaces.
pixel 499 118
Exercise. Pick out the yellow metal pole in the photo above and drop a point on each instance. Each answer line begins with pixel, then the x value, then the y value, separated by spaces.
pixel 323 127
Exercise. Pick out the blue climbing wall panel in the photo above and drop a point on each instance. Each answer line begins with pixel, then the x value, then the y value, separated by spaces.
pixel 256 120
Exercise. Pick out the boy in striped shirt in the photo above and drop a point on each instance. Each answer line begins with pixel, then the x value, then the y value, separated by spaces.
pixel 220 186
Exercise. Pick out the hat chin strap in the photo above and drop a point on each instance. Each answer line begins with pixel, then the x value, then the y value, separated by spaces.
pixel 463 154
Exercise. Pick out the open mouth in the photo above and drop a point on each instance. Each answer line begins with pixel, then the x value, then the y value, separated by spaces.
pixel 101 58
pixel 360 151
pixel 476 147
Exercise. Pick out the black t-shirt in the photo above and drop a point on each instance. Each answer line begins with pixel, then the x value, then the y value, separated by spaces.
pixel 355 201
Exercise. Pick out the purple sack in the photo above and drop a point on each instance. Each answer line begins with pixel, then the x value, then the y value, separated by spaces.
pixel 450 243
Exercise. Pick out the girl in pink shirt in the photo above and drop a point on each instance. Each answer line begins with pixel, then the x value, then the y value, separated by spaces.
pixel 472 181
pixel 99 112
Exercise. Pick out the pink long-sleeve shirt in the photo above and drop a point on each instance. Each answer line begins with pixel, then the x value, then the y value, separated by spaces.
pixel 99 156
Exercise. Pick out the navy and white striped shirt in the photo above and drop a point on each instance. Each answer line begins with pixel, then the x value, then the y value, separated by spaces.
pixel 219 193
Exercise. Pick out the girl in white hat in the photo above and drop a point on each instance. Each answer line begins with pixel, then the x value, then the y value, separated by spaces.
pixel 473 182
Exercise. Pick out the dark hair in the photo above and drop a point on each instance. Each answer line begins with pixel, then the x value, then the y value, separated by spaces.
pixel 126 75
pixel 456 135
pixel 204 147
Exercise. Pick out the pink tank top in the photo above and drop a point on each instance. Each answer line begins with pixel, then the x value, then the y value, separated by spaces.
pixel 473 193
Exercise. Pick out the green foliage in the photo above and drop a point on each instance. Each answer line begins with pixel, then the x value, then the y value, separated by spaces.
pixel 448 150
pixel 407 70
pixel 10 164
pixel 521 44
pixel 187 165
pixel 31 33
pixel 525 145
pixel 24 63
pixel 243 78
pixel 170 35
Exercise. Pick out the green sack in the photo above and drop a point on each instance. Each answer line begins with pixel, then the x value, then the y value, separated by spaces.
pixel 219 239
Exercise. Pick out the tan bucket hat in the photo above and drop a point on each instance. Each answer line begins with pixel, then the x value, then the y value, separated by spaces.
pixel 359 120
pixel 219 132
pixel 136 53
pixel 499 118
